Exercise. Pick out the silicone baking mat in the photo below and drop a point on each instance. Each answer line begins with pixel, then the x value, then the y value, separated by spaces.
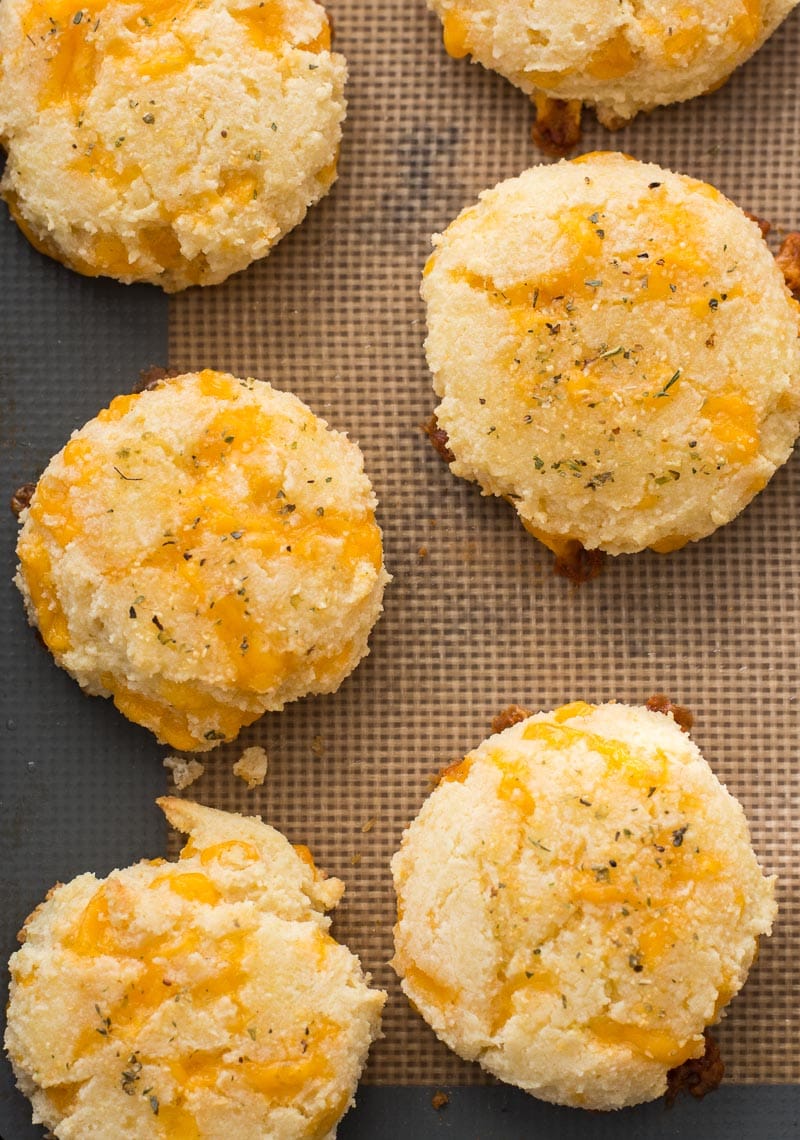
pixel 475 618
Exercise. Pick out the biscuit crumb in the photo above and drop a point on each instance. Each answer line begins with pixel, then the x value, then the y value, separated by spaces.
pixel 439 1100
pixel 317 745
pixel 422 552
pixel 368 826
pixel 252 766
pixel 184 772
pixel 355 859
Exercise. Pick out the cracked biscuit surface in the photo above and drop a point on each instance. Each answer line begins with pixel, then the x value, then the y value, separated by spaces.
pixel 170 142
pixel 619 56
pixel 577 901
pixel 192 1000
pixel 616 353
pixel 203 552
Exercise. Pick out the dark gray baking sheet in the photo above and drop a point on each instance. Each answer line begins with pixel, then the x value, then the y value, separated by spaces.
pixel 77 781
pixel 734 1112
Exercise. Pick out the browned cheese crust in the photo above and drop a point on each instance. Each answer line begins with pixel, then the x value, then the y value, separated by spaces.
pixel 697 1076
pixel 557 129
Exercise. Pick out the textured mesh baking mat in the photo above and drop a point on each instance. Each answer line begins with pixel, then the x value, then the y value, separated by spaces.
pixel 475 618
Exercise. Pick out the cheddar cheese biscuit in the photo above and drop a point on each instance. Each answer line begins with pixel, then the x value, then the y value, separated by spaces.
pixel 203 552
pixel 197 999
pixel 616 353
pixel 619 58
pixel 577 901
pixel 173 142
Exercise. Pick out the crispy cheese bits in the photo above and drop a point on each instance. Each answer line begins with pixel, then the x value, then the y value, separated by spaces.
pixel 616 353
pixel 577 901
pixel 192 1000
pixel 202 552
pixel 172 142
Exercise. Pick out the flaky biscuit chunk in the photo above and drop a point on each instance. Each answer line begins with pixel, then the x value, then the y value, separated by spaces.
pixel 172 142
pixel 577 901
pixel 199 999
pixel 616 352
pixel 203 552
pixel 615 55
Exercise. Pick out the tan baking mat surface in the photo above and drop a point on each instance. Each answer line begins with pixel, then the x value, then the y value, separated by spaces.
pixel 474 618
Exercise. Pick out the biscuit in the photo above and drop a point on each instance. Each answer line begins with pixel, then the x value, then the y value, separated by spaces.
pixel 616 353
pixel 619 58
pixel 173 143
pixel 197 999
pixel 577 900
pixel 203 552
